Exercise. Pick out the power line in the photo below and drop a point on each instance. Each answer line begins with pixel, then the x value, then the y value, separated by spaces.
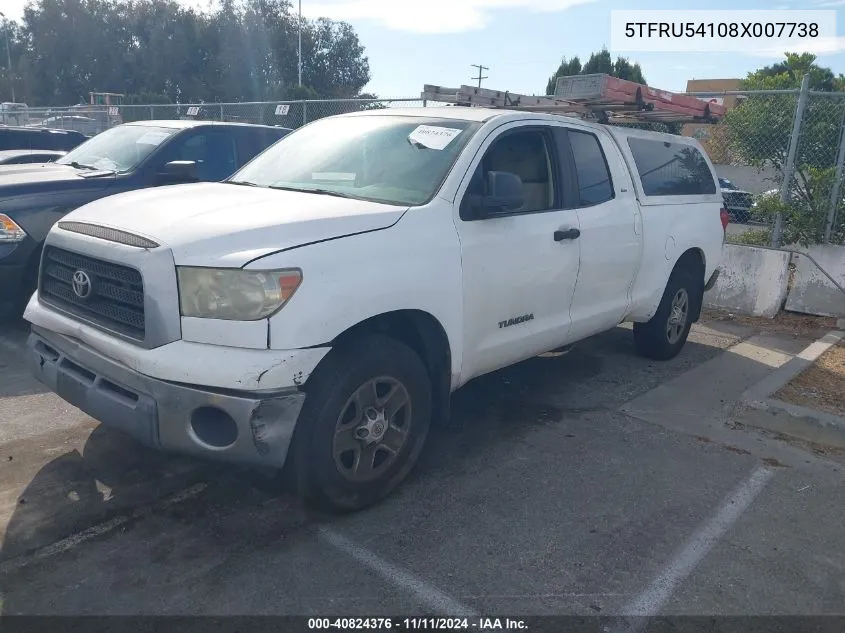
pixel 480 70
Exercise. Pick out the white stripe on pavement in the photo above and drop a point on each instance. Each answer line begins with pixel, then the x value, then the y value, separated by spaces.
pixel 650 602
pixel 431 596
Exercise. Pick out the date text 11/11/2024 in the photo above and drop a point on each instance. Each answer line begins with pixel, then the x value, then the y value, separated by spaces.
pixel 417 624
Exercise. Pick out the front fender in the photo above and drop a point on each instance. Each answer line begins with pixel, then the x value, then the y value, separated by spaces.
pixel 413 265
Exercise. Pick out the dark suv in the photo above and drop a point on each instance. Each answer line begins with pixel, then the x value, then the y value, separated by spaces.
pixel 737 202
pixel 127 157
pixel 39 138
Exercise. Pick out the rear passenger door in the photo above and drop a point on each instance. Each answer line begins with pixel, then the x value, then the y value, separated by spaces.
pixel 602 194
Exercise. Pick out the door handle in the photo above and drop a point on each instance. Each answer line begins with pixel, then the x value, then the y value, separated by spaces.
pixel 568 234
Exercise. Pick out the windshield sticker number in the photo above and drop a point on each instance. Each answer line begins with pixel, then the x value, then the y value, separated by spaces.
pixel 433 137
pixel 152 138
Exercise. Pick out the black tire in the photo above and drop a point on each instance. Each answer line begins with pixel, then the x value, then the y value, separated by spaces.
pixel 12 312
pixel 321 476
pixel 653 339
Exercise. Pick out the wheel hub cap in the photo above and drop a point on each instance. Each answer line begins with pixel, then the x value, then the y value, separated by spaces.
pixel 677 316
pixel 373 427
pixel 678 313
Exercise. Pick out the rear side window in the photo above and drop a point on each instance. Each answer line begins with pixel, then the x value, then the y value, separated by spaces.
pixel 39 139
pixel 594 183
pixel 671 169
pixel 253 141
pixel 12 139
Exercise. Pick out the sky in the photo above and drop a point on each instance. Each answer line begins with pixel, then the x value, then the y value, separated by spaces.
pixel 414 42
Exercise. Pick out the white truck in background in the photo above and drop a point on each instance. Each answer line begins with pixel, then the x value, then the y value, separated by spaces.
pixel 317 309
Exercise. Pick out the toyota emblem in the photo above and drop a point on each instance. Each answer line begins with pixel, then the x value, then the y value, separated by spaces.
pixel 81 284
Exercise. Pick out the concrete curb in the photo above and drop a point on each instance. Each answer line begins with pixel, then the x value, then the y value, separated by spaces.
pixel 771 414
pixel 783 374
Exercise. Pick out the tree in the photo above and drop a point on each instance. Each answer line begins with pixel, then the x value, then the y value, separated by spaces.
pixel 242 50
pixel 600 62
pixel 759 130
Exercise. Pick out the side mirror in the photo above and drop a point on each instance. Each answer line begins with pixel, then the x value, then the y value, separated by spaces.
pixel 178 171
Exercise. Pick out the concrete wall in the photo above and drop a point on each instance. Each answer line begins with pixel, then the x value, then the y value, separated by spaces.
pixel 752 281
pixel 812 292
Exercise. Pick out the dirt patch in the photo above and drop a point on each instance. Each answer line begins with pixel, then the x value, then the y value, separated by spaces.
pixel 822 386
pixel 799 325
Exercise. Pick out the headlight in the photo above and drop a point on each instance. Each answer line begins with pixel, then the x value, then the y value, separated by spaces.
pixel 233 294
pixel 10 232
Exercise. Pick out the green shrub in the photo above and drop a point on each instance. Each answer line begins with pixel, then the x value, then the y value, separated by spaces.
pixel 752 237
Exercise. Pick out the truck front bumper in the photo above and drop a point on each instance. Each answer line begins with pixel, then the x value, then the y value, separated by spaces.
pixel 236 426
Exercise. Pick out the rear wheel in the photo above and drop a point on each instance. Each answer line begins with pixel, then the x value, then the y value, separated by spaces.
pixel 366 417
pixel 663 337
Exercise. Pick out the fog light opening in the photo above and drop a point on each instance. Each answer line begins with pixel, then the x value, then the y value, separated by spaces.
pixel 214 427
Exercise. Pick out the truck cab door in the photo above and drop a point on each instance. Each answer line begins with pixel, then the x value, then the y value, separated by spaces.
pixel 519 267
pixel 611 229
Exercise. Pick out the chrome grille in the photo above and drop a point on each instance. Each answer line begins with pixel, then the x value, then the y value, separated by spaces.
pixel 109 234
pixel 115 293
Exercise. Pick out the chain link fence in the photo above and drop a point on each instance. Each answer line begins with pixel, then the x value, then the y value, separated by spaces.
pixel 779 153
pixel 92 120
pixel 289 114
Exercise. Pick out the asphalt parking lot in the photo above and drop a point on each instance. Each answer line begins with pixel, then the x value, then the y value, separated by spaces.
pixel 592 483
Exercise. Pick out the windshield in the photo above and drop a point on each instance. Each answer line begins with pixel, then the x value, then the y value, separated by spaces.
pixel 392 159
pixel 119 149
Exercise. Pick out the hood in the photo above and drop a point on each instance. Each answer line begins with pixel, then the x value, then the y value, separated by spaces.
pixel 44 177
pixel 229 225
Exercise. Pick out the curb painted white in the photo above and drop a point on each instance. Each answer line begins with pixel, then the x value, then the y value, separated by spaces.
pixel 783 374
pixel 790 419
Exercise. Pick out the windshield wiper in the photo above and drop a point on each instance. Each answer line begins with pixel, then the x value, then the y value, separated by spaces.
pixel 242 183
pixel 322 192
pixel 79 165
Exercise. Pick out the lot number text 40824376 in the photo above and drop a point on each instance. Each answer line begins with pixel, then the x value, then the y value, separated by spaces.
pixel 417 624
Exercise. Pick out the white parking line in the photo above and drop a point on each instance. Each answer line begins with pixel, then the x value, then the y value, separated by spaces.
pixel 97 530
pixel 651 601
pixel 431 596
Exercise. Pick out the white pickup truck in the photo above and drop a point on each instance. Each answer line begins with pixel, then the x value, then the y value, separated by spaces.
pixel 317 310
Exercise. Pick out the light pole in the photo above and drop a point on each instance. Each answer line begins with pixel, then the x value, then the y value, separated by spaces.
pixel 9 56
pixel 299 54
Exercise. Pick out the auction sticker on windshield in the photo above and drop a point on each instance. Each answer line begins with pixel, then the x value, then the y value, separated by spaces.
pixel 433 137
pixel 152 138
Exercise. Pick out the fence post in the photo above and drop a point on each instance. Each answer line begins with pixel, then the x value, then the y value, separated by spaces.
pixel 837 184
pixel 152 113
pixel 789 170
pixel 221 111
pixel 304 113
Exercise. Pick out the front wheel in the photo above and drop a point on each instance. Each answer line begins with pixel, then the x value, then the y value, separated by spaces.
pixel 366 416
pixel 664 335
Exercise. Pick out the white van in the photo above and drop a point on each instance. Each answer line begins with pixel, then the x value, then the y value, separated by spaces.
pixel 319 308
